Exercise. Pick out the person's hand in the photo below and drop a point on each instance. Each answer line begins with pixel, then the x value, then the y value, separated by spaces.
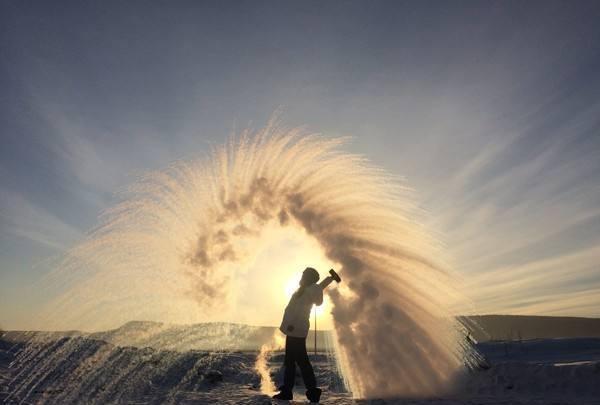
pixel 335 276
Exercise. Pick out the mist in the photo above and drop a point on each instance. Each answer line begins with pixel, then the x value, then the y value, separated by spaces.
pixel 182 238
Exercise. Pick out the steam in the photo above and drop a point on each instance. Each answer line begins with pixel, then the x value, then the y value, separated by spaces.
pixel 182 236
pixel 267 386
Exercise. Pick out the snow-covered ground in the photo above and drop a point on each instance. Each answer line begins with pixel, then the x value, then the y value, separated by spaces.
pixel 79 369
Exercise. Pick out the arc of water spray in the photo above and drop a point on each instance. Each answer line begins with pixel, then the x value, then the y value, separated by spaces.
pixel 178 231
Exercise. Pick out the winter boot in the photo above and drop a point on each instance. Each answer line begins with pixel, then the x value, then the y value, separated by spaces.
pixel 285 395
pixel 314 395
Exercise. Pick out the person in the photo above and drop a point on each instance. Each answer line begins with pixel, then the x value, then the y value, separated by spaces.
pixel 295 325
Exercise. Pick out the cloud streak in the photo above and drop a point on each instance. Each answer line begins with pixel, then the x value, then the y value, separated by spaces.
pixel 21 218
pixel 492 120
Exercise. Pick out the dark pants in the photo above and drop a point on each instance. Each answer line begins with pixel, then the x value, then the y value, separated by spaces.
pixel 295 353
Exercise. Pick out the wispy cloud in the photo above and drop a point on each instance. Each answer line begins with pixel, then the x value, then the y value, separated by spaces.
pixel 498 132
pixel 22 219
pixel 559 284
pixel 526 238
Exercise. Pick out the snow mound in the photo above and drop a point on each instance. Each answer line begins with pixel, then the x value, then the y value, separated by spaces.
pixel 78 369
pixel 529 379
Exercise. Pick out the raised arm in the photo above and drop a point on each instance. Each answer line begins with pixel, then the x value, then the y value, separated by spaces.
pixel 326 281
pixel 333 277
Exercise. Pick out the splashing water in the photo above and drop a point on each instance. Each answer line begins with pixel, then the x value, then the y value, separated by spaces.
pixel 176 245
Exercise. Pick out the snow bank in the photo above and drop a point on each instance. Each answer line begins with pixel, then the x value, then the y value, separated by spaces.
pixel 529 379
pixel 82 370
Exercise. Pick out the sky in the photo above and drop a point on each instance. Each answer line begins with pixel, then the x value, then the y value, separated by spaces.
pixel 490 111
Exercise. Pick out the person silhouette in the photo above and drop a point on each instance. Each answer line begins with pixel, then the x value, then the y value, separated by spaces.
pixel 295 326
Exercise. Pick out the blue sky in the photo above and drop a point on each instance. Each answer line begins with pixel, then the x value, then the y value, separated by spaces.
pixel 490 110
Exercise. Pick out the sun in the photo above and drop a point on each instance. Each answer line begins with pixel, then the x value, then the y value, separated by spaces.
pixel 292 285
pixel 264 287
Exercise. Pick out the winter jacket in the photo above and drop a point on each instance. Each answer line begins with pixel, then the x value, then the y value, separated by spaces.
pixel 297 313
